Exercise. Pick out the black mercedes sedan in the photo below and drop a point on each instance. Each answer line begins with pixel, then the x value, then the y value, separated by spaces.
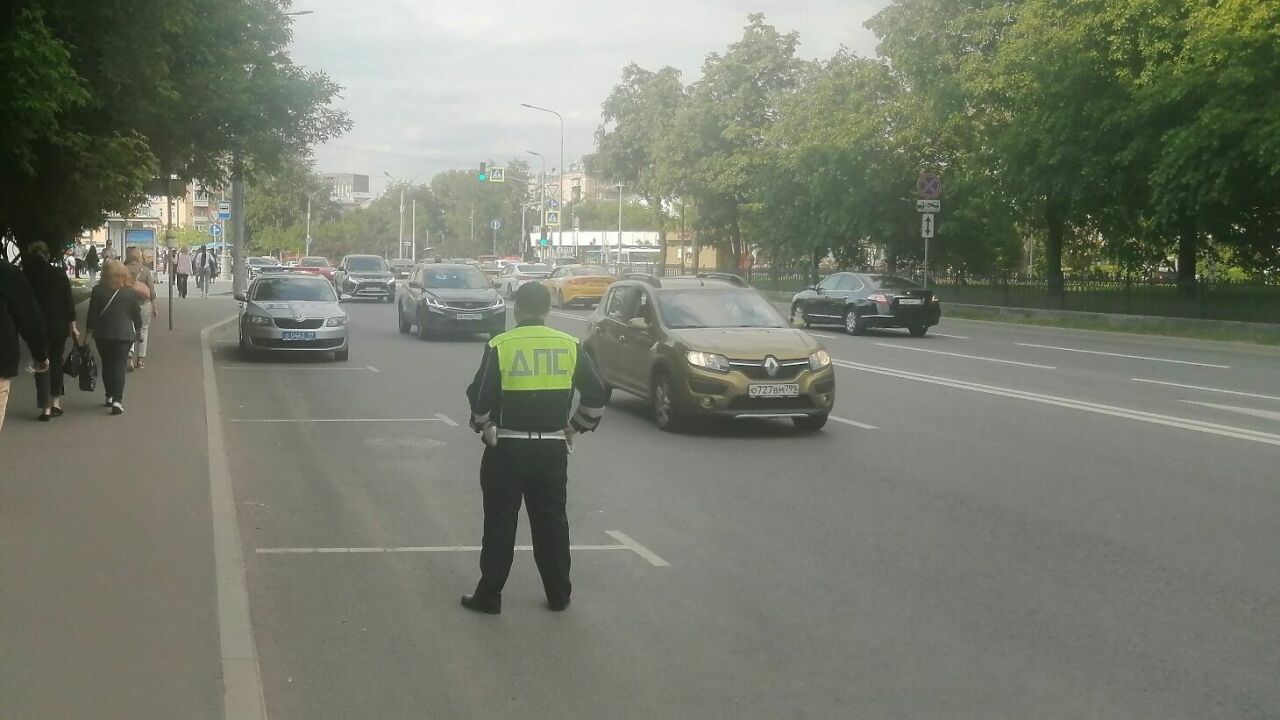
pixel 858 301
pixel 443 297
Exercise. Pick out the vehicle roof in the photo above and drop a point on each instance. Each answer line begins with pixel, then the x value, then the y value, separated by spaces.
pixel 286 275
pixel 448 265
pixel 685 283
pixel 362 255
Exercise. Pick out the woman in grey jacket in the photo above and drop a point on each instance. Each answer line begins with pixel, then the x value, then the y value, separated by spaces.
pixel 115 322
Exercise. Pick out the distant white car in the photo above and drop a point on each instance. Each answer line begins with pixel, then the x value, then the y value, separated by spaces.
pixel 511 277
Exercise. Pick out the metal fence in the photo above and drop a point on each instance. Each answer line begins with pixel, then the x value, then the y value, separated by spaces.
pixel 1240 300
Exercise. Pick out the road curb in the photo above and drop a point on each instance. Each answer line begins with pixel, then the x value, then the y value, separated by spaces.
pixel 241 675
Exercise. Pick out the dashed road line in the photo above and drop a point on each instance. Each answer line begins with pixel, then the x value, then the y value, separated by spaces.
pixel 970 357
pixel 1122 355
pixel 1255 412
pixel 854 423
pixel 626 542
pixel 1097 408
pixel 437 418
pixel 1208 389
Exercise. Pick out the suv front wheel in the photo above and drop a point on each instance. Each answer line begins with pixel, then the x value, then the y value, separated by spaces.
pixel 665 414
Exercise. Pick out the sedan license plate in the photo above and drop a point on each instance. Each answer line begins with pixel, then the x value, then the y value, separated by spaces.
pixel 294 335
pixel 470 316
pixel 910 301
pixel 774 390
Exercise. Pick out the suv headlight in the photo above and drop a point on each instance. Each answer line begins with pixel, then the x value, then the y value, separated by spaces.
pixel 708 361
pixel 432 302
pixel 336 321
pixel 499 303
pixel 259 320
pixel 819 360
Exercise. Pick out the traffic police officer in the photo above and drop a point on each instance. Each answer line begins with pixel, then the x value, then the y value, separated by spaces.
pixel 521 401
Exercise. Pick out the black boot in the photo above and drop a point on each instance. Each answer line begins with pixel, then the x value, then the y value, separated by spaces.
pixel 484 605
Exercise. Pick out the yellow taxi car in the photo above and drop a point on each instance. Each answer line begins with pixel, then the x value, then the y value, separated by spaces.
pixel 578 284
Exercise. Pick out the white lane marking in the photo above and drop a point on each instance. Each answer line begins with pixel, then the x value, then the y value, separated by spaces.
pixel 1265 414
pixel 1121 355
pixel 626 543
pixel 854 423
pixel 242 696
pixel 637 548
pixel 1207 389
pixel 437 418
pixel 367 368
pixel 971 357
pixel 1141 416
pixel 953 337
pixel 583 318
pixel 823 334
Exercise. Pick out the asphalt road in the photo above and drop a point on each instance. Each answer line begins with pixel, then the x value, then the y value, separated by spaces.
pixel 1022 523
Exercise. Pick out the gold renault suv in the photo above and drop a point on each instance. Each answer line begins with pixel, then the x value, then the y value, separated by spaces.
pixel 708 346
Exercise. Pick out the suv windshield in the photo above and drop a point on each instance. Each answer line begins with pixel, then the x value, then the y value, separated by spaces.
pixel 292 290
pixel 717 309
pixel 313 262
pixel 455 278
pixel 366 264
pixel 261 261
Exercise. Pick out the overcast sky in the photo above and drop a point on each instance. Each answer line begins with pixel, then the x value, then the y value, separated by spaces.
pixel 433 85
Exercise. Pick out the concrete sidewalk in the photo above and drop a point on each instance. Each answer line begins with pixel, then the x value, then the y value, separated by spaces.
pixel 108 600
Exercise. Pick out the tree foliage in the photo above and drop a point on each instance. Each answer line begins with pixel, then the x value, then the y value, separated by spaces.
pixel 93 112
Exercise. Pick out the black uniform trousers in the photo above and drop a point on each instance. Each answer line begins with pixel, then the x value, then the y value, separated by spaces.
pixel 537 472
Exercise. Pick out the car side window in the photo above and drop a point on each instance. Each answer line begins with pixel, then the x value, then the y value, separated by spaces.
pixel 830 283
pixel 847 283
pixel 858 285
pixel 643 308
pixel 620 302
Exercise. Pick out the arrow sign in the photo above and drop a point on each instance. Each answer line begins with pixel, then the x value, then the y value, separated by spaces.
pixel 496 224
pixel 928 206
pixel 926 225
pixel 215 230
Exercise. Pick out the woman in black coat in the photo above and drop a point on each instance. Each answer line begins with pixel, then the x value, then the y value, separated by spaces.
pixel 53 294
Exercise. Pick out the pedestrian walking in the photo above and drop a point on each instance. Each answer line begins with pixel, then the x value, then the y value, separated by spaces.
pixel 78 252
pixel 115 322
pixel 52 290
pixel 91 264
pixel 109 252
pixel 144 286
pixel 19 317
pixel 183 269
pixel 521 400
pixel 204 270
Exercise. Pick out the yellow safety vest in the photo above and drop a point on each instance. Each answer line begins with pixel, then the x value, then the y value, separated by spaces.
pixel 536 357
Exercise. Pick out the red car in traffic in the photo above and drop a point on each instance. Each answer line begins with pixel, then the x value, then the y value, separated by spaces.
pixel 316 266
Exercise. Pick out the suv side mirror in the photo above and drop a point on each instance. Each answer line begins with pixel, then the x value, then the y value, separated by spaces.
pixel 416 285
pixel 242 297
pixel 816 289
pixel 638 323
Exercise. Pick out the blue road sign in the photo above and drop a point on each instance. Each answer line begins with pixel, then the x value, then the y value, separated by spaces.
pixel 215 230
pixel 224 214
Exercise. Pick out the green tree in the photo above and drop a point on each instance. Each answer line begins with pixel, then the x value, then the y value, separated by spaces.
pixel 714 149
pixel 637 114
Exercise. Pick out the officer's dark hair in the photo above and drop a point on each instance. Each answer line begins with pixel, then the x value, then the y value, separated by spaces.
pixel 533 299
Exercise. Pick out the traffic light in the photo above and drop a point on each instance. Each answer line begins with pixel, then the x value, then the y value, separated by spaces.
pixel 483 175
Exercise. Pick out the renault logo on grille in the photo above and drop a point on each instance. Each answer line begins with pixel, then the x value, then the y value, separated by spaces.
pixel 771 366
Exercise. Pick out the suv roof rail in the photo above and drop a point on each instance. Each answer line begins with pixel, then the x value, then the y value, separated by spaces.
pixel 644 277
pixel 727 277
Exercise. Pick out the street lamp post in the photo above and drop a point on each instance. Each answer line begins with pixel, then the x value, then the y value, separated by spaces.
pixel 620 186
pixel 542 185
pixel 560 184
pixel 307 250
pixel 400 239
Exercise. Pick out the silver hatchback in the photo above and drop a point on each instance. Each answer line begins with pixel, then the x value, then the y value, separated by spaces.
pixel 289 312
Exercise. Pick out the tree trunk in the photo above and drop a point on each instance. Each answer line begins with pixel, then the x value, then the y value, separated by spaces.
pixel 816 267
pixel 662 236
pixel 1188 242
pixel 1056 228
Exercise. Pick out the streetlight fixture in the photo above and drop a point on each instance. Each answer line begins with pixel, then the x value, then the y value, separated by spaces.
pixel 296 13
pixel 560 184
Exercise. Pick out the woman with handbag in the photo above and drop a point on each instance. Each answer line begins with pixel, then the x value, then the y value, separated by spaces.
pixel 52 290
pixel 144 286
pixel 115 322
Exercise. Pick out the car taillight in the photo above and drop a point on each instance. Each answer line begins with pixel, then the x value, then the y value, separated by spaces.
pixel 880 298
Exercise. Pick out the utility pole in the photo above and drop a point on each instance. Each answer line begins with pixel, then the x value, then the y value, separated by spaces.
pixel 473 225
pixel 400 240
pixel 413 231
pixel 619 186
pixel 240 279
pixel 307 250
